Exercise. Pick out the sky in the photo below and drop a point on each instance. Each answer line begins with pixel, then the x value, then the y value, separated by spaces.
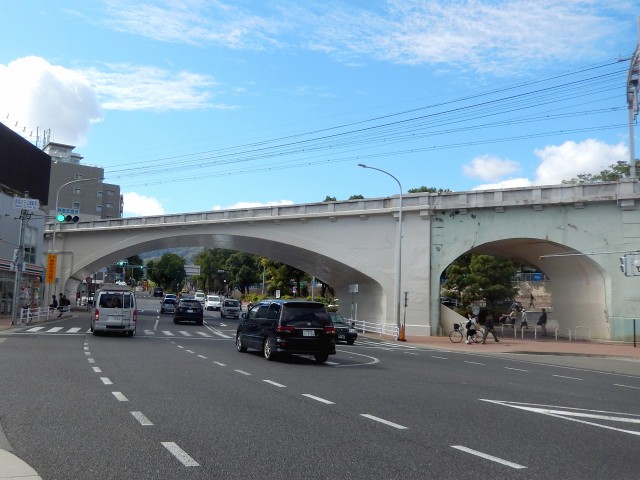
pixel 194 105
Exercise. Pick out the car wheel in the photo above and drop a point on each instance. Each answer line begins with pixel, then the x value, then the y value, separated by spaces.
pixel 239 346
pixel 175 321
pixel 266 350
pixel 321 357
pixel 350 342
pixel 199 322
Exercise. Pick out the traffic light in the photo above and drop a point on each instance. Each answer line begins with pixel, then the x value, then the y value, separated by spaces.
pixel 67 218
pixel 630 264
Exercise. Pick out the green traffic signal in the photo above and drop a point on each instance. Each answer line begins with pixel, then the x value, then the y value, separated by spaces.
pixel 60 217
pixel 67 219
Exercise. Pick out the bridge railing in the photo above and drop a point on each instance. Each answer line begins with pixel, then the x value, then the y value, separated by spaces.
pixel 379 328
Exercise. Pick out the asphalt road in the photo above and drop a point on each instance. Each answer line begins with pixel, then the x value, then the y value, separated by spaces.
pixel 178 401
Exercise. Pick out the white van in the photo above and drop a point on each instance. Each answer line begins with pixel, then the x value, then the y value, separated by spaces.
pixel 200 296
pixel 115 310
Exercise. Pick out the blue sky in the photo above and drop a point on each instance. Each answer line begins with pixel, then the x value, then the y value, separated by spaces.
pixel 192 105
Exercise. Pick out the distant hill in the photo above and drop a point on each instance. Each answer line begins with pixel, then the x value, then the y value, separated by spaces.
pixel 188 253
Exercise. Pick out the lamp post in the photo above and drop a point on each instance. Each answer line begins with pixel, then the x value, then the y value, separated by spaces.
pixel 55 224
pixel 398 256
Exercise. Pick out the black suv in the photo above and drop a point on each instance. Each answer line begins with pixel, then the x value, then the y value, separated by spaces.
pixel 287 326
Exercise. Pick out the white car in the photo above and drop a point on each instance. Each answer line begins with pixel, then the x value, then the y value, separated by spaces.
pixel 212 302
pixel 200 296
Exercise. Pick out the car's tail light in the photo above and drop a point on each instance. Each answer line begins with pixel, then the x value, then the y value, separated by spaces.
pixel 97 315
pixel 285 328
pixel 135 315
pixel 329 330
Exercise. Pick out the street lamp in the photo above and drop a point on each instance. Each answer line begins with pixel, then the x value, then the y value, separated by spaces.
pixel 55 226
pixel 398 255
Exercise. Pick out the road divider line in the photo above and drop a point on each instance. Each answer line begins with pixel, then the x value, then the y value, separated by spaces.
pixel 625 386
pixel 139 416
pixel 275 384
pixel 202 356
pixel 322 400
pixel 242 372
pixel 382 420
pixel 120 396
pixel 488 457
pixel 474 363
pixel 222 364
pixel 106 380
pixel 190 351
pixel 439 358
pixel 517 369
pixel 97 369
pixel 91 360
pixel 180 454
pixel 569 378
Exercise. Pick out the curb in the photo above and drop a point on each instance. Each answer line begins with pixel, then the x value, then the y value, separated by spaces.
pixel 11 467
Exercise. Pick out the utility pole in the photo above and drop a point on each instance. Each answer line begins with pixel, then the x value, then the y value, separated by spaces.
pixel 19 265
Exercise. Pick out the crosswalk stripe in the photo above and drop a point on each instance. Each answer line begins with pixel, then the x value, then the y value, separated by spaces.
pixel 168 333
pixel 35 329
pixel 204 334
pixel 54 329
pixel 186 334
pixel 74 330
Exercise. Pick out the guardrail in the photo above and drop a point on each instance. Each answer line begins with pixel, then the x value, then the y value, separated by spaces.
pixel 370 327
pixel 28 314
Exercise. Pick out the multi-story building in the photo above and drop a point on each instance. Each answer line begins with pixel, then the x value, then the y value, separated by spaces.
pixel 77 189
pixel 24 172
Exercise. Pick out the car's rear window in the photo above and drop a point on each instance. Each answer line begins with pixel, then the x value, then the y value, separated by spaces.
pixel 231 303
pixel 190 303
pixel 305 315
pixel 115 300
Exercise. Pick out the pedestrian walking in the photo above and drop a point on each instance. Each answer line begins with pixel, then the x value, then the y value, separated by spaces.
pixel 471 329
pixel 531 301
pixel 489 327
pixel 542 321
pixel 523 323
pixel 54 304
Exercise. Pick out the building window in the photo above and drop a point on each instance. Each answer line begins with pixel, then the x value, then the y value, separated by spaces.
pixel 30 241
pixel 78 176
pixel 76 205
pixel 99 194
pixel 109 205
pixel 110 193
pixel 77 191
pixel 99 208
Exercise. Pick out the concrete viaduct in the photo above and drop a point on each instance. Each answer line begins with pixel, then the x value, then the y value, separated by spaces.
pixel 575 234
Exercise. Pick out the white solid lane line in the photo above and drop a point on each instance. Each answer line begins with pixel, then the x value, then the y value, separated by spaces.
pixel 180 454
pixel 382 420
pixel 488 457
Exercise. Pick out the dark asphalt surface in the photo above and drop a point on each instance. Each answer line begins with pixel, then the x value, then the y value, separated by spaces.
pixel 377 410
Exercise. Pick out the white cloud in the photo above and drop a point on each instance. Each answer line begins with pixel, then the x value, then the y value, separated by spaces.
pixel 36 94
pixel 566 161
pixel 132 87
pixel 499 37
pixel 557 163
pixel 240 205
pixel 490 168
pixel 136 205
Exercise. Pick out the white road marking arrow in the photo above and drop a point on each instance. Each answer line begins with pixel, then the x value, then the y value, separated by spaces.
pixel 575 414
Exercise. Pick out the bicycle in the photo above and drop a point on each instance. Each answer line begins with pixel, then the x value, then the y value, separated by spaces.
pixel 457 334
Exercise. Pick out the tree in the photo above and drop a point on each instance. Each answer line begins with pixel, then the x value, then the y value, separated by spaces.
pixel 356 197
pixel 428 190
pixel 481 277
pixel 616 171
pixel 168 272
pixel 329 199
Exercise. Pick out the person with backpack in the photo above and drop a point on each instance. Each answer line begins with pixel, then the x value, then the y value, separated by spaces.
pixel 471 329
pixel 542 321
